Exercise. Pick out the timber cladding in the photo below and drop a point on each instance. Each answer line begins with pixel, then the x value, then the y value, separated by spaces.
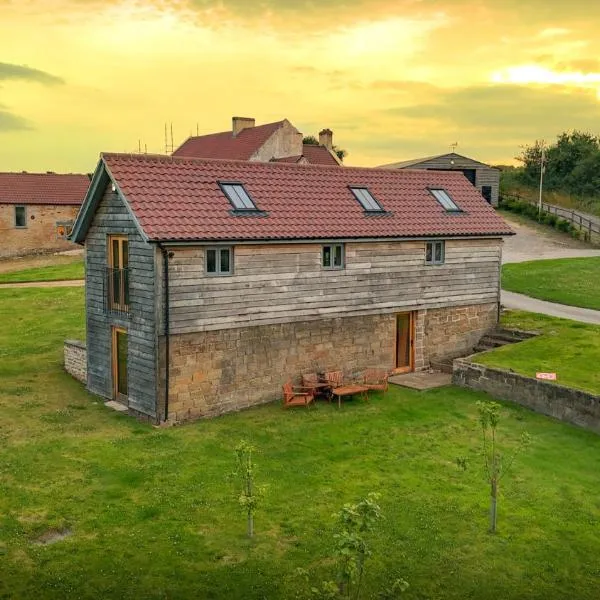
pixel 282 283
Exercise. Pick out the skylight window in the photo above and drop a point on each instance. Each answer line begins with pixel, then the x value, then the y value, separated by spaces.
pixel 364 196
pixel 444 199
pixel 238 196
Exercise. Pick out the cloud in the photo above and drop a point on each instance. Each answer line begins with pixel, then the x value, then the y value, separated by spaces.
pixel 10 71
pixel 582 65
pixel 11 122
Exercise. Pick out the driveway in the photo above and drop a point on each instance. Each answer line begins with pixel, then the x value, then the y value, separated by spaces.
pixel 535 242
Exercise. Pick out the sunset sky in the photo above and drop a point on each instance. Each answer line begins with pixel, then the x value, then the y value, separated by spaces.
pixel 394 79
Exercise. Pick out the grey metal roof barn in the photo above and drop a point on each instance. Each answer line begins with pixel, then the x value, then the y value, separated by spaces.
pixel 485 178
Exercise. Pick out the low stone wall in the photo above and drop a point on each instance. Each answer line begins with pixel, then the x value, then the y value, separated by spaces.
pixel 563 403
pixel 76 359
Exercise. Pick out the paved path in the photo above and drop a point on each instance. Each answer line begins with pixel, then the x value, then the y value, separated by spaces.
pixel 522 302
pixel 45 284
pixel 533 243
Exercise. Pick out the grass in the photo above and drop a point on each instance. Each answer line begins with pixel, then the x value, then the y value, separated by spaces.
pixel 151 512
pixel 572 281
pixel 72 270
pixel 568 348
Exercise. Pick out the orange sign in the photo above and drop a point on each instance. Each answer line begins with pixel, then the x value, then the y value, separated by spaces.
pixel 551 376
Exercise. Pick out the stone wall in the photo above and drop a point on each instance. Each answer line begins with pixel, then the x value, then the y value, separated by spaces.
pixel 455 331
pixel 567 404
pixel 221 371
pixel 40 233
pixel 76 359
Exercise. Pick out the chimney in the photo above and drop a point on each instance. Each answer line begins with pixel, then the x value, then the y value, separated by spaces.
pixel 238 124
pixel 326 138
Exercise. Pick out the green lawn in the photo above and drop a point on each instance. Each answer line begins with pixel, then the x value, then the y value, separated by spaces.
pixel 572 281
pixel 569 348
pixel 153 515
pixel 73 270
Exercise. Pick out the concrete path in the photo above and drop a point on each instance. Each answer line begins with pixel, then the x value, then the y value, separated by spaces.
pixel 45 284
pixel 522 302
pixel 538 243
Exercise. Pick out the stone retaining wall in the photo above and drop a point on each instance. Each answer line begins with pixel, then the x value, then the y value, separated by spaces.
pixel 76 359
pixel 563 403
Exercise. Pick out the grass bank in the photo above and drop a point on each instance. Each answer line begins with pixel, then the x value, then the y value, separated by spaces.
pixel 150 513
pixel 572 281
pixel 71 270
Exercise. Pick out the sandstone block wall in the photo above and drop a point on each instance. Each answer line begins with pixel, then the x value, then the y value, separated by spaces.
pixel 455 331
pixel 39 235
pixel 76 359
pixel 221 371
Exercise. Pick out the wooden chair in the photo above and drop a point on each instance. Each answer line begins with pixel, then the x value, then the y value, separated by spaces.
pixel 376 379
pixel 294 397
pixel 311 383
pixel 334 378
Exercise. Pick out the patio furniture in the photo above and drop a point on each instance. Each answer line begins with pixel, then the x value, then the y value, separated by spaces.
pixel 295 396
pixel 334 378
pixel 311 383
pixel 350 390
pixel 376 379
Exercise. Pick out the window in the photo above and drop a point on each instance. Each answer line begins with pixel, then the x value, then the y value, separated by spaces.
pixel 486 192
pixel 219 261
pixel 333 256
pixel 20 216
pixel 238 196
pixel 435 253
pixel 118 273
pixel 364 196
pixel 444 199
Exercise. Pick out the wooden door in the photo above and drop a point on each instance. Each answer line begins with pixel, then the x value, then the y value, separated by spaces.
pixel 119 365
pixel 404 342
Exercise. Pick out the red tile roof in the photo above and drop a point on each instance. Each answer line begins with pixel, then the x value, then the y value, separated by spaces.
pixel 318 155
pixel 288 159
pixel 180 199
pixel 42 188
pixel 224 145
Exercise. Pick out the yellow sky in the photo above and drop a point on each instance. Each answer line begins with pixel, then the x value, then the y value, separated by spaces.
pixel 393 79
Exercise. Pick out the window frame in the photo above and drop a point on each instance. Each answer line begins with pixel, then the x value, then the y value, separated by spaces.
pixel 332 266
pixel 243 209
pixel 122 305
pixel 434 243
pixel 458 209
pixel 24 226
pixel 218 272
pixel 364 188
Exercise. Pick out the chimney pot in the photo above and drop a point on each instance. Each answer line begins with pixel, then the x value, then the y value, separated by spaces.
pixel 238 124
pixel 326 138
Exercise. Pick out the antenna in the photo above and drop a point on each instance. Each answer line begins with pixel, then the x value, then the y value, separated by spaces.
pixel 169 144
pixel 197 130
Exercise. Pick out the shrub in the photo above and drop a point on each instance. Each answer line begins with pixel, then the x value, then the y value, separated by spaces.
pixel 563 225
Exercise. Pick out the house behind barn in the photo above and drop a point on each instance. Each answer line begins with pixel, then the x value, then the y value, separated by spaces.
pixel 37 211
pixel 485 178
pixel 211 282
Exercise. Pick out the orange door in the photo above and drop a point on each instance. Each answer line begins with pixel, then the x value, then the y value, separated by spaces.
pixel 404 342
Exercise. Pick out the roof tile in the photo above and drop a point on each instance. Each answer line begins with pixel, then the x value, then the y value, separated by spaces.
pixel 43 188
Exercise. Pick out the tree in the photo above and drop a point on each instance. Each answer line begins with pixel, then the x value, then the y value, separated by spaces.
pixel 250 494
pixel 311 140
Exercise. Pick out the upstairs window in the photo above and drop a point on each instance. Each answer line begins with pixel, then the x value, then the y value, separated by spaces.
pixel 435 253
pixel 219 261
pixel 118 273
pixel 333 256
pixel 238 196
pixel 20 216
pixel 364 196
pixel 444 199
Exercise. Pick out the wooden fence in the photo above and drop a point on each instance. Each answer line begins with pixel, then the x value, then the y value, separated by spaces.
pixel 588 224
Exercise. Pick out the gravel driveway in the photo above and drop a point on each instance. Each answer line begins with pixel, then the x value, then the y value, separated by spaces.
pixel 538 242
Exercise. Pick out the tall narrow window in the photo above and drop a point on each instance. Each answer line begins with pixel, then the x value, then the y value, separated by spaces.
pixel 118 273
pixel 119 364
pixel 20 216
pixel 333 256
pixel 219 261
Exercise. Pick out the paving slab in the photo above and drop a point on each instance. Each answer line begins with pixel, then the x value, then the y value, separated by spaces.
pixel 423 380
pixel 116 406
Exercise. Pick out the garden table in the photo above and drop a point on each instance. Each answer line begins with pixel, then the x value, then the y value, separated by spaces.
pixel 350 390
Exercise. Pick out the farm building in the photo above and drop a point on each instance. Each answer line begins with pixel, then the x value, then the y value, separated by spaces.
pixel 211 282
pixel 37 211
pixel 485 178
pixel 276 142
